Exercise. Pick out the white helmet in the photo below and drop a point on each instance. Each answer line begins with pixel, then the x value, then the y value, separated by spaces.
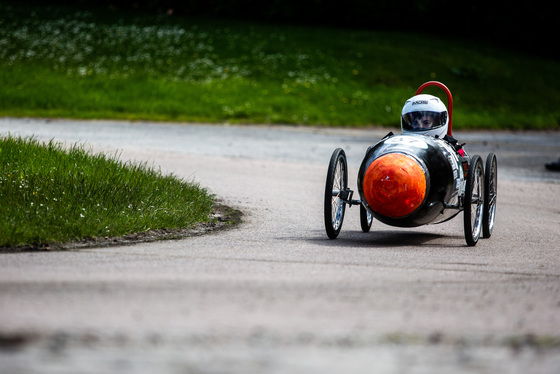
pixel 426 115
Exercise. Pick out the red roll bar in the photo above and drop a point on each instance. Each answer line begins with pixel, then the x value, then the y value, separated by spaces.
pixel 449 99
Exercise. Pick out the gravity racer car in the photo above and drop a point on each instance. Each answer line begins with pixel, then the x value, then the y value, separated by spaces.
pixel 422 176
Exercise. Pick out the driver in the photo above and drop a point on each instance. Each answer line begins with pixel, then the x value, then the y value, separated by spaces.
pixel 427 115
pixel 423 120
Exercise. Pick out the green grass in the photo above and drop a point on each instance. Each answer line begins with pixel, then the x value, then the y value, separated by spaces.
pixel 64 62
pixel 55 195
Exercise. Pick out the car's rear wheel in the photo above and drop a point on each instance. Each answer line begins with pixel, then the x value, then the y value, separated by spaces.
pixel 366 219
pixel 490 194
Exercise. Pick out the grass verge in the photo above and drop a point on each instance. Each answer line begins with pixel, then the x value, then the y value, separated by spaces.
pixel 68 62
pixel 52 196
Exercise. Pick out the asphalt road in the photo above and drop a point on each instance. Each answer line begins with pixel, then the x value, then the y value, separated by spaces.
pixel 275 295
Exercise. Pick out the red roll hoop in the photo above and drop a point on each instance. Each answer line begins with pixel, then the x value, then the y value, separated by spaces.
pixel 449 99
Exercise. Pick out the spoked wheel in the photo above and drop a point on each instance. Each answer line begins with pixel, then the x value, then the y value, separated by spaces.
pixel 366 218
pixel 474 201
pixel 490 194
pixel 335 188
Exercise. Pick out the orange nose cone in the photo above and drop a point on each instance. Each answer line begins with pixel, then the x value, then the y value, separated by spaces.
pixel 394 185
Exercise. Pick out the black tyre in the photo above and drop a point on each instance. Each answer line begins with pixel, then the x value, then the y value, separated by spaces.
pixel 337 182
pixel 366 218
pixel 474 201
pixel 490 194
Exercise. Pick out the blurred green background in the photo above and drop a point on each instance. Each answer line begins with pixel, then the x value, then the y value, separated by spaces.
pixel 311 62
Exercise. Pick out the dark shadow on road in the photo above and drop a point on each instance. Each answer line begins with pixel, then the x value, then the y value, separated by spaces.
pixel 392 238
